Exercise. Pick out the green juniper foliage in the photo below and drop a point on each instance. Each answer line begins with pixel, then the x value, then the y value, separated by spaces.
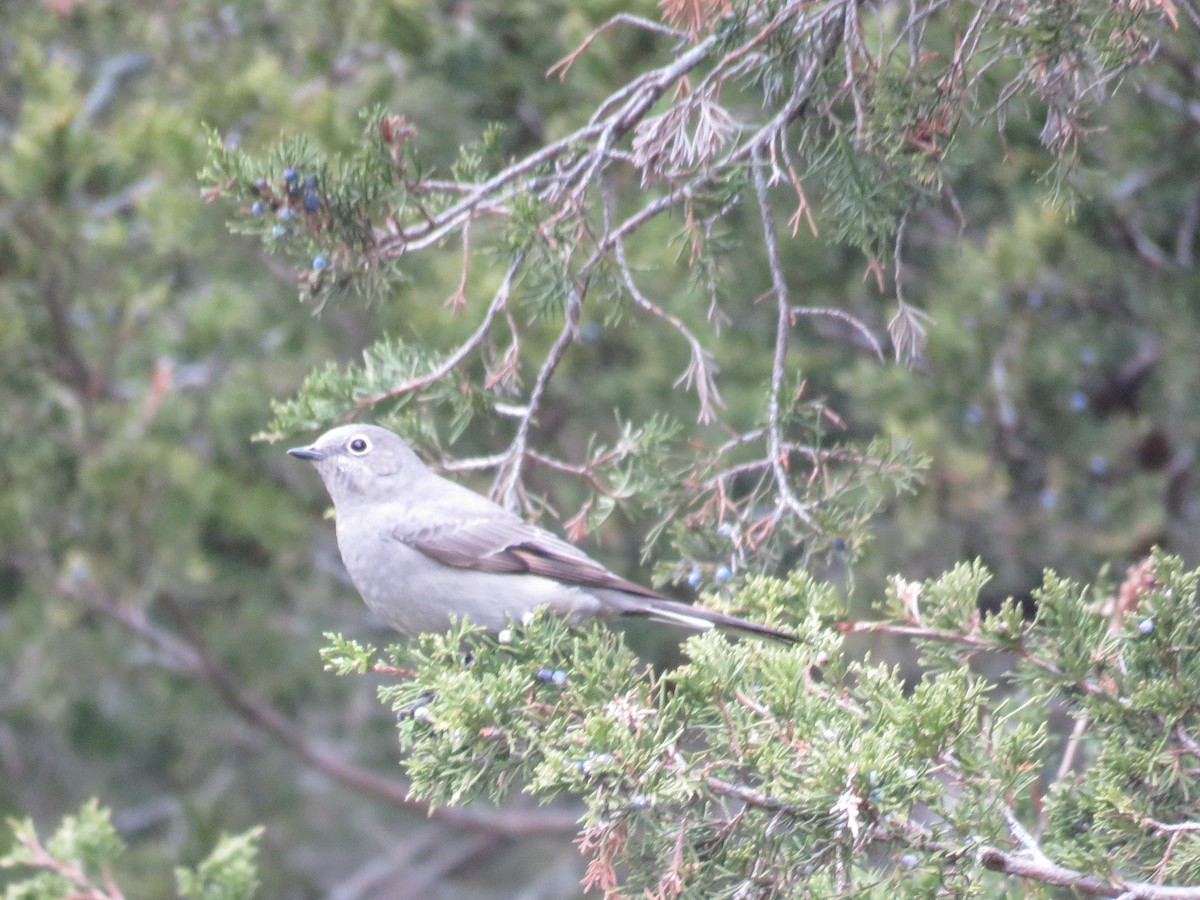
pixel 81 857
pixel 759 101
pixel 641 274
pixel 749 769
pixel 769 769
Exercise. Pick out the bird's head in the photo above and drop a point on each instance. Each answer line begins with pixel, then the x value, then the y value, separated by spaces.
pixel 359 462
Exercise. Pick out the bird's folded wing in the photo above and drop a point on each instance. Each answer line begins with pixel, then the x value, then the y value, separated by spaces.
pixel 511 546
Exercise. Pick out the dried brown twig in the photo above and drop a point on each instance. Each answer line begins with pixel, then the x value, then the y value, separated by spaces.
pixel 676 150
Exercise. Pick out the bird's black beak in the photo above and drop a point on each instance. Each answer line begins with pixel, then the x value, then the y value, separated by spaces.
pixel 306 453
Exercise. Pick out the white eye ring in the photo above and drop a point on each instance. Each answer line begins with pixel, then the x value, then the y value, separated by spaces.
pixel 359 445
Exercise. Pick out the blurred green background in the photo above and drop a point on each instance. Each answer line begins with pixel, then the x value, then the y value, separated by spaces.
pixel 141 344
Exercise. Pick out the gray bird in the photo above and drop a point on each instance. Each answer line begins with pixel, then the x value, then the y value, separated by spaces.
pixel 419 547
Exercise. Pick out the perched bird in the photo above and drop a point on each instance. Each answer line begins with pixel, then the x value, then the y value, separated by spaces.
pixel 420 547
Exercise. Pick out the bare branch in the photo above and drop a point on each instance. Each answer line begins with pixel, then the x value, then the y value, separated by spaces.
pixel 507 486
pixel 842 316
pixel 1046 872
pixel 748 795
pixel 499 302
pixel 702 370
pixel 787 498
pixel 563 65
pixel 186 653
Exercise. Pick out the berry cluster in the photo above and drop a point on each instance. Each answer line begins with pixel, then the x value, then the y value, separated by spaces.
pixel 555 676
pixel 293 199
pixel 698 574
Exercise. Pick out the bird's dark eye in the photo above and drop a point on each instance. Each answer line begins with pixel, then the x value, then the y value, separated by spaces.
pixel 359 446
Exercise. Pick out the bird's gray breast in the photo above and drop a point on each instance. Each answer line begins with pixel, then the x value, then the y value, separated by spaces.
pixel 416 594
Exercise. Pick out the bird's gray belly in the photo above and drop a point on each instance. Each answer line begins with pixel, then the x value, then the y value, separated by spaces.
pixel 416 594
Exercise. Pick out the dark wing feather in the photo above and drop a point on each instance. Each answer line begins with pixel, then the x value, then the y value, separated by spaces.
pixel 485 538
pixel 511 546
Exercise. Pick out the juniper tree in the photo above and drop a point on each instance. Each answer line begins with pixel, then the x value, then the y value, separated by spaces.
pixel 752 770
pixel 665 230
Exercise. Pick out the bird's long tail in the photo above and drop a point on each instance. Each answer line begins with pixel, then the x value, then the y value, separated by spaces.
pixel 701 619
